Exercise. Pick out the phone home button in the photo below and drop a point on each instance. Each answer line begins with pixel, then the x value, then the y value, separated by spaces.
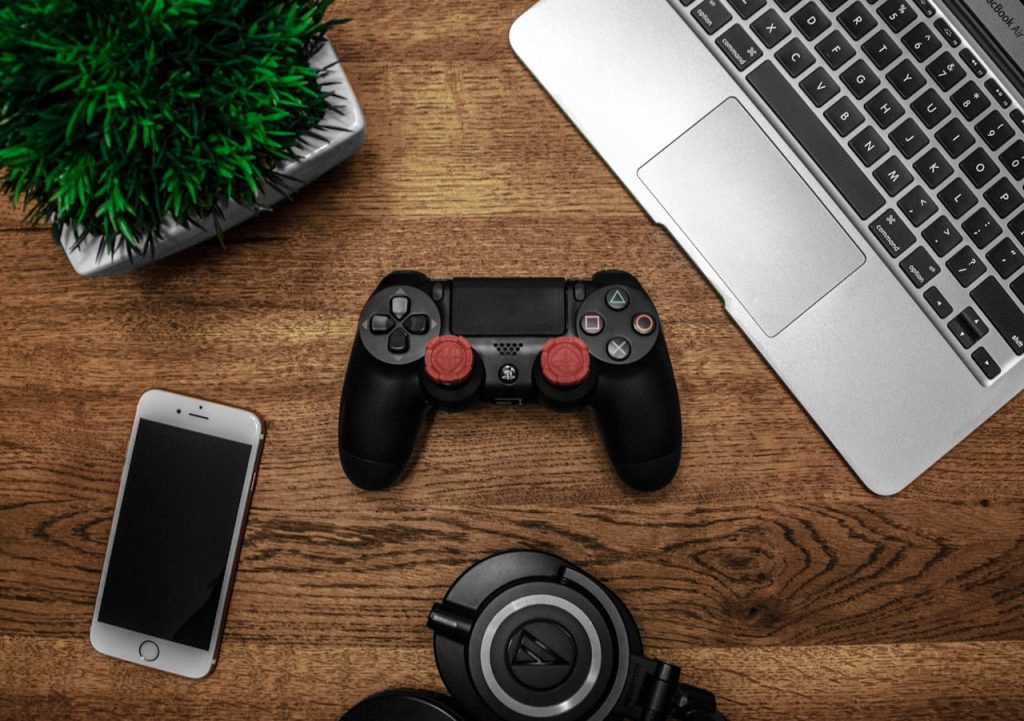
pixel 149 651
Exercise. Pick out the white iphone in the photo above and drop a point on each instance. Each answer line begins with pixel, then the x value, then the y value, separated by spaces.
pixel 176 533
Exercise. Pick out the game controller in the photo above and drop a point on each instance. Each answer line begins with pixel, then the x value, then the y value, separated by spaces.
pixel 564 343
pixel 525 636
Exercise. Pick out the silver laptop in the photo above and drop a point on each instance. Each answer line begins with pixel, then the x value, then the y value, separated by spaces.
pixel 847 174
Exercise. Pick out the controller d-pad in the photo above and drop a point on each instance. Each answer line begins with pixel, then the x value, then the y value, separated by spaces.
pixel 399 306
pixel 398 342
pixel 417 324
pixel 381 323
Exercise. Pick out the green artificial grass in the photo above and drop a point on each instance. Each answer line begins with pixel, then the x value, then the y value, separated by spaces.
pixel 117 113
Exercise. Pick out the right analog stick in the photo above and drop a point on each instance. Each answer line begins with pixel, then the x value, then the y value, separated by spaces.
pixel 448 360
pixel 565 361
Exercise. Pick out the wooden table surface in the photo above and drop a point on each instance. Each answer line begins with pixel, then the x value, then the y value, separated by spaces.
pixel 766 569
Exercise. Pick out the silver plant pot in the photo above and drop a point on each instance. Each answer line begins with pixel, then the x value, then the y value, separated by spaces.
pixel 316 157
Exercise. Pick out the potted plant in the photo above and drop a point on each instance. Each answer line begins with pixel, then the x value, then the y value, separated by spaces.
pixel 138 128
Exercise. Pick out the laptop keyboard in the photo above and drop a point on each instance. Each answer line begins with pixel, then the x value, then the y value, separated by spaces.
pixel 911 128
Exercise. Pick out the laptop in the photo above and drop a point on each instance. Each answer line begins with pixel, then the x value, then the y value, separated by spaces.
pixel 849 177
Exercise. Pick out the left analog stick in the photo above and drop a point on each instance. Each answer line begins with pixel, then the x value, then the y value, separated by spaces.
pixel 448 360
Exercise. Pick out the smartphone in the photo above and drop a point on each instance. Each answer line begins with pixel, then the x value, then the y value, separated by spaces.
pixel 177 531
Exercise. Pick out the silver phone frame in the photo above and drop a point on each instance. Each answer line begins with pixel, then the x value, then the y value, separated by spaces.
pixel 213 419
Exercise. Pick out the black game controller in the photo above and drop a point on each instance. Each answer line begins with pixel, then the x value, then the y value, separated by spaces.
pixel 565 343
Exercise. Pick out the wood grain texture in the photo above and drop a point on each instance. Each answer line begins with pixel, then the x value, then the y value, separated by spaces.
pixel 766 570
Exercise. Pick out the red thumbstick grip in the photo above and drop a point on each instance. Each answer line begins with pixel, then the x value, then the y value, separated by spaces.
pixel 449 360
pixel 565 361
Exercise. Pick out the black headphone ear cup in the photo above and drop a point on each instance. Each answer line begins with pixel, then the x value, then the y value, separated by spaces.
pixel 527 636
pixel 404 706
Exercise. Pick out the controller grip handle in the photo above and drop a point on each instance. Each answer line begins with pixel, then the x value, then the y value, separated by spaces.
pixel 382 409
pixel 637 412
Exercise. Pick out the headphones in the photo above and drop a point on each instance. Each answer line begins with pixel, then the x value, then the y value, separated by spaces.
pixel 528 636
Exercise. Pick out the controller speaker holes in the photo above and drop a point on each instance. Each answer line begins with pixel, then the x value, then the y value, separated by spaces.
pixel 508 349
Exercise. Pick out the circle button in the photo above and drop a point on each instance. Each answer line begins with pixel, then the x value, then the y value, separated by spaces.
pixel 149 651
pixel 617 298
pixel 643 323
pixel 619 349
pixel 565 361
pixel 448 360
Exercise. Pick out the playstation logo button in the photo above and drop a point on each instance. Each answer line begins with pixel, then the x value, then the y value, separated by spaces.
pixel 508 374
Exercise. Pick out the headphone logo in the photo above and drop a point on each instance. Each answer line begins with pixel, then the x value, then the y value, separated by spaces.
pixel 531 651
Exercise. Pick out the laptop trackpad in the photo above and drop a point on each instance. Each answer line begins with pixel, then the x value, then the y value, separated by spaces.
pixel 751 216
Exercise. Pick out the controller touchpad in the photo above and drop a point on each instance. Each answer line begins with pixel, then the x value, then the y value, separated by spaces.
pixel 508 307
pixel 753 218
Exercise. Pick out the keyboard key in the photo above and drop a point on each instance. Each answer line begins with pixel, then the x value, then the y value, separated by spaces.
pixel 1017 287
pixel 787 5
pixel 930 107
pixel 995 130
pixel 909 138
pixel 917 205
pixel 711 15
pixel 811 21
pixel 955 138
pixel 892 233
pixel 962 332
pixel 1005 258
pixel 1016 227
pixel 739 47
pixel 770 28
pixel 795 57
pixel 984 361
pixel 816 139
pixel 906 78
pixel 938 302
pixel 922 42
pixel 1013 159
pixel 884 108
pixel 897 14
pixel 973 321
pixel 1003 197
pixel 972 63
pixel 882 49
pixel 979 167
pixel 835 49
pixel 919 267
pixel 833 5
pixel 981 228
pixel 1005 315
pixel 946 71
pixel 844 116
pixel 942 236
pixel 947 32
pixel 860 79
pixel 933 168
pixel 892 175
pixel 926 7
pixel 997 93
pixel 857 20
pixel 746 8
pixel 869 146
pixel 819 87
pixel 969 100
pixel 965 266
pixel 958 198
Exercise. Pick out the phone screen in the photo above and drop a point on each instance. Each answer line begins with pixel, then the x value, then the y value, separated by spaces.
pixel 174 531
